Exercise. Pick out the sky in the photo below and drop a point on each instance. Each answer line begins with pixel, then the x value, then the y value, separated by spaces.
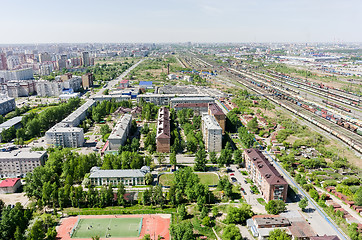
pixel 160 21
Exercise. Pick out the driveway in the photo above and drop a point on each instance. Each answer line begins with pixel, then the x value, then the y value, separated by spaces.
pixel 249 197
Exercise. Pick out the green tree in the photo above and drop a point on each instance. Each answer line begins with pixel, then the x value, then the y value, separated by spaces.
pixel 358 197
pixel 182 231
pixel 239 215
pixel 173 160
pixel 303 203
pixel 279 234
pixel 231 232
pixel 353 232
pixel 121 191
pixel 37 231
pixel 181 211
pixel 212 157
pixel 200 161
pixel 275 206
pixel 238 159
pixel 148 178
pixel 314 194
pixel 253 125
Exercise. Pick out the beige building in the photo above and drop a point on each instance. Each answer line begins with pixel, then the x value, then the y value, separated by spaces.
pixel 87 80
pixel 120 132
pixel 212 133
pixel 129 177
pixel 271 184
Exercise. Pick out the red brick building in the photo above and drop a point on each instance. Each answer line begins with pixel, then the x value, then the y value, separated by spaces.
pixel 271 184
pixel 163 135
pixel 215 110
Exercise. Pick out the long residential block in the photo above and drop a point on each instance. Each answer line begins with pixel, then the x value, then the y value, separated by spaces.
pixel 6 105
pixel 120 132
pixel 271 184
pixel 79 114
pixel 212 133
pixel 214 110
pixel 65 135
pixel 17 163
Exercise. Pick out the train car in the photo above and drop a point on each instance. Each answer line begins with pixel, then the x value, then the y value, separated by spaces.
pixel 359 131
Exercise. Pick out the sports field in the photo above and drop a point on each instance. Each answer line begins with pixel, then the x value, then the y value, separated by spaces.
pixel 115 227
pixel 210 179
pixel 108 227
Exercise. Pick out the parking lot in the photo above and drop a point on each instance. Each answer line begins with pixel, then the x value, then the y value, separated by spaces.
pixel 251 198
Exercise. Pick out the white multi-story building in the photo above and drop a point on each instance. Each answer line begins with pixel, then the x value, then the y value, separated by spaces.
pixel 17 163
pixel 79 115
pixel 212 133
pixel 6 104
pixel 49 88
pixel 13 62
pixel 46 69
pixel 21 74
pixel 65 135
pixel 18 88
pixel 120 132
pixel 74 83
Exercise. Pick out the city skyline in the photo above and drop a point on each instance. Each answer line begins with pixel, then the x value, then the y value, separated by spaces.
pixel 175 21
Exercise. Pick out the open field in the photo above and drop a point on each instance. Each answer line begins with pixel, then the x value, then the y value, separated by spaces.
pixel 120 227
pixel 209 179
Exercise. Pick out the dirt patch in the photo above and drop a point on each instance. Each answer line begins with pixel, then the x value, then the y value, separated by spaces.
pixel 13 198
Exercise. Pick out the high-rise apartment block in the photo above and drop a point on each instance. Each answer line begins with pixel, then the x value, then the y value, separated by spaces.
pixel 45 57
pixel 6 105
pixel 3 62
pixel 86 59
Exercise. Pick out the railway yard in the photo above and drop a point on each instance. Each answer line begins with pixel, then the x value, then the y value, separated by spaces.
pixel 336 111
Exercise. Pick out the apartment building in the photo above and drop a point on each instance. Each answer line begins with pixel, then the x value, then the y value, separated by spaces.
pixel 212 133
pixel 65 135
pixel 86 59
pixel 20 74
pixel 49 88
pixel 165 99
pixel 87 80
pixel 219 115
pixel 271 184
pixel 198 108
pixel 191 99
pixel 120 132
pixel 74 83
pixel 129 177
pixel 17 163
pixel 18 88
pixel 163 134
pixel 13 122
pixel 6 105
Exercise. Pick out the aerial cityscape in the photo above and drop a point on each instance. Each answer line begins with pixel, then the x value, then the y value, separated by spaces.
pixel 181 120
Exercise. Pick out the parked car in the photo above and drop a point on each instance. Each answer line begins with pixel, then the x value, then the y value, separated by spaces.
pixel 251 191
pixel 246 182
pixel 234 179
pixel 232 174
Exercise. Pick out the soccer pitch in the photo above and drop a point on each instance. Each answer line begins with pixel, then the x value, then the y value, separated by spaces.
pixel 108 228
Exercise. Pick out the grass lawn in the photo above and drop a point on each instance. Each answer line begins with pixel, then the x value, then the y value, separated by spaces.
pixel 205 178
pixel 116 227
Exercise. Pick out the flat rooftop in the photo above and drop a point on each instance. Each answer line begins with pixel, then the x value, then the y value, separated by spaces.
pixel 11 122
pixel 121 126
pixel 210 122
pixel 21 154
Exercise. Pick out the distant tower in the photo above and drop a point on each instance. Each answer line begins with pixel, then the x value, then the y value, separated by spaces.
pixel 168 69
pixel 85 59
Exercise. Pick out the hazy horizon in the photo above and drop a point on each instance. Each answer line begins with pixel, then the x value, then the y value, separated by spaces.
pixel 171 21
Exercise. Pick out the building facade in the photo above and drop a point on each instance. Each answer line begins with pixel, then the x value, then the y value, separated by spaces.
pixel 87 80
pixel 86 59
pixel 190 99
pixel 49 88
pixel 18 163
pixel 10 185
pixel 20 74
pixel 212 133
pixel 271 184
pixel 163 134
pixel 6 105
pixel 214 110
pixel 120 132
pixel 63 135
pixel 18 88
pixel 198 108
pixel 129 177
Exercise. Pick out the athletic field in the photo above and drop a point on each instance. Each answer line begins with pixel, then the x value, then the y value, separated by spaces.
pixel 115 227
pixel 108 228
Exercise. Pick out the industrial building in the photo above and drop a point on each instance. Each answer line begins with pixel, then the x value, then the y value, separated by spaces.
pixel 271 184
pixel 219 115
pixel 212 133
pixel 163 134
pixel 120 132
pixel 17 163
pixel 129 177
pixel 6 104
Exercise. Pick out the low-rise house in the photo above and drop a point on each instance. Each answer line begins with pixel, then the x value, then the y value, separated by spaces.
pixel 129 177
pixel 325 237
pixel 301 230
pixel 261 225
pixel 10 185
